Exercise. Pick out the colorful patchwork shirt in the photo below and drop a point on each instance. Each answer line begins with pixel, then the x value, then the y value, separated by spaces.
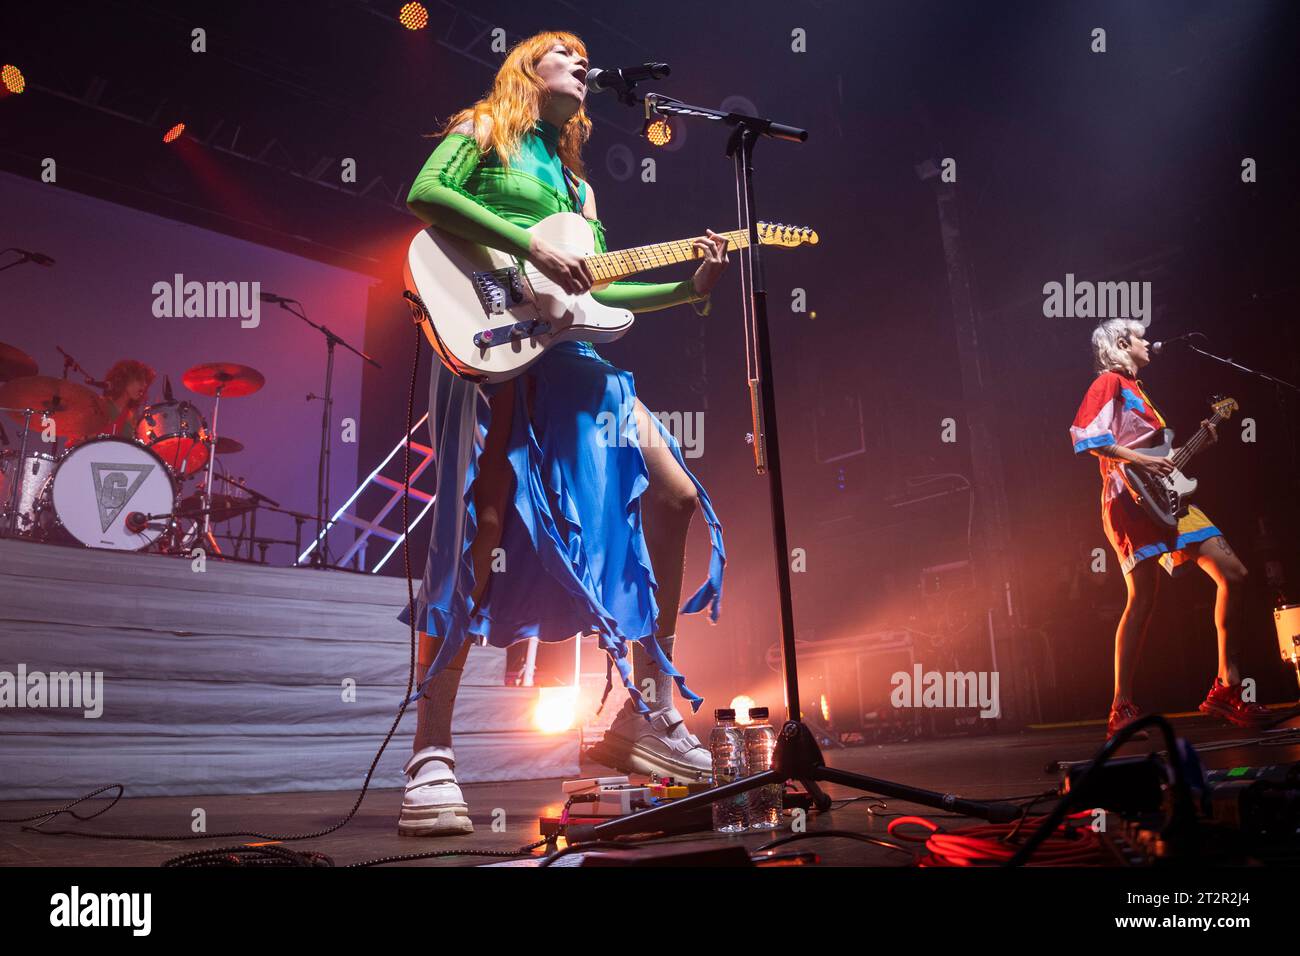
pixel 1115 411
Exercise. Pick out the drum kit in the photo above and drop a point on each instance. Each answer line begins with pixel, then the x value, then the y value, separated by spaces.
pixel 105 490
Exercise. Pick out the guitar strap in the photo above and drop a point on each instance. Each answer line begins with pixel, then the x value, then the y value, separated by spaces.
pixel 574 196
pixel 1163 421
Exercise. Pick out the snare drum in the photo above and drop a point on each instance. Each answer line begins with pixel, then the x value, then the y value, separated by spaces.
pixel 101 483
pixel 30 478
pixel 178 433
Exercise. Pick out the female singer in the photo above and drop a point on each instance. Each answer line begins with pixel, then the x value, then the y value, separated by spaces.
pixel 542 528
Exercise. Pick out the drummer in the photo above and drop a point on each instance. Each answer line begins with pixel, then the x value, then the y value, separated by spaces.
pixel 127 384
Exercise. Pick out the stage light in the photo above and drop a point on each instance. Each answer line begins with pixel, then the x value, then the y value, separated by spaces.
pixel 826 710
pixel 658 132
pixel 174 133
pixel 413 16
pixel 13 79
pixel 556 710
pixel 741 704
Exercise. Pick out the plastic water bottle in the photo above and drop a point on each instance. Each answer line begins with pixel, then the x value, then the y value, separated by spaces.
pixel 727 745
pixel 763 805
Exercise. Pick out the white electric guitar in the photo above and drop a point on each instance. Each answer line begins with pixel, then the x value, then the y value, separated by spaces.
pixel 490 315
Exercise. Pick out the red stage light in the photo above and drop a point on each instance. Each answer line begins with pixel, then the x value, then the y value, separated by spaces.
pixel 413 16
pixel 13 79
pixel 174 133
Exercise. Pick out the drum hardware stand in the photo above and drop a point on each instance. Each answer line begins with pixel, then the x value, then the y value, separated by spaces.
pixel 72 365
pixel 320 556
pixel 258 498
pixel 797 756
pixel 298 519
pixel 19 465
pixel 206 498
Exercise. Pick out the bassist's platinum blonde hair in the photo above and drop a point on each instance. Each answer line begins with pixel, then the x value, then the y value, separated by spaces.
pixel 1107 356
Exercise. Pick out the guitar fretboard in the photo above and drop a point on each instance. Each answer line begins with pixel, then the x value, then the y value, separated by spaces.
pixel 611 266
pixel 1198 441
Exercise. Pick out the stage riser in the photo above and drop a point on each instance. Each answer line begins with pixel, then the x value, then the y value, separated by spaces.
pixel 136 707
pixel 193 611
pixel 39 767
pixel 230 680
pixel 129 653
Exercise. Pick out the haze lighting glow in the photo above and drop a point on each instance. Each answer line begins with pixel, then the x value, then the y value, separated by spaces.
pixel 413 16
pixel 556 710
pixel 13 79
pixel 741 705
pixel 826 710
pixel 174 133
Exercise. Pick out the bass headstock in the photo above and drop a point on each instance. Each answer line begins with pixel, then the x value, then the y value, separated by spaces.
pixel 779 234
pixel 1224 407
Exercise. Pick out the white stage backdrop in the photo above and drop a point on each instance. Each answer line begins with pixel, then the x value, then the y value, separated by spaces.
pixel 101 302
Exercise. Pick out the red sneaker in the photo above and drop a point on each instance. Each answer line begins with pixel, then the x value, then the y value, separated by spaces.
pixel 1123 713
pixel 1224 700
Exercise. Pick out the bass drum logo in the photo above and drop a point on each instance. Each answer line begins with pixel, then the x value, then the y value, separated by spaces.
pixel 115 486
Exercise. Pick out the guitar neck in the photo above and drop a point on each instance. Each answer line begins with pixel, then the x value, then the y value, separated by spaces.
pixel 1198 441
pixel 611 266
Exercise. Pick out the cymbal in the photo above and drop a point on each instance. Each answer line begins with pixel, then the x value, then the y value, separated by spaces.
pixel 228 446
pixel 233 380
pixel 76 410
pixel 224 507
pixel 15 363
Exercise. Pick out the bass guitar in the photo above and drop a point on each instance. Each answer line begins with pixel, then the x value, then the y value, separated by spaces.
pixel 1166 498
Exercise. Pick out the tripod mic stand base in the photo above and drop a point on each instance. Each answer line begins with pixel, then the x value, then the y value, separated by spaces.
pixel 797 757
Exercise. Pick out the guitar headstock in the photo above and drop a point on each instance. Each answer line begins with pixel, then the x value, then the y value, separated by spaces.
pixel 779 234
pixel 1224 407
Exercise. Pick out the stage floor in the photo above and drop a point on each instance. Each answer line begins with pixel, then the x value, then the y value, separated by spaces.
pixel 989 767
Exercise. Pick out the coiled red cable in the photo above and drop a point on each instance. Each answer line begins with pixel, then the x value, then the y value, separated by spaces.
pixel 987 844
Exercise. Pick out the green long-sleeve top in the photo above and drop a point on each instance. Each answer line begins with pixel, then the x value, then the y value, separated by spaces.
pixel 476 197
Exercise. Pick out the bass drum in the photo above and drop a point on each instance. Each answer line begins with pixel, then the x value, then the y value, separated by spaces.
pixel 102 482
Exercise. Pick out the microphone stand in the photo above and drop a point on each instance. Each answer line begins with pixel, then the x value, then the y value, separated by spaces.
pixel 320 557
pixel 24 258
pixel 797 756
pixel 1279 385
pixel 1272 379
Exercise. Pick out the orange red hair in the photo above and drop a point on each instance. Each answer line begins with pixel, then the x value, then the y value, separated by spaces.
pixel 515 101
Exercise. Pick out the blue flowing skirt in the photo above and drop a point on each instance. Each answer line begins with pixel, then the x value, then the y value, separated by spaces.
pixel 574 556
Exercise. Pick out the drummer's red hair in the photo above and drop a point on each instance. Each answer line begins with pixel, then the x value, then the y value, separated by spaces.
pixel 123 372
pixel 515 103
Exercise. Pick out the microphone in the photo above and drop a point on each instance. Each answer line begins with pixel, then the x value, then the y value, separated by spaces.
pixel 40 258
pixel 1158 347
pixel 136 522
pixel 167 390
pixel 598 80
pixel 279 299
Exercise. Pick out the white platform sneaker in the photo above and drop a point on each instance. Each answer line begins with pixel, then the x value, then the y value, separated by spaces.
pixel 433 804
pixel 663 746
